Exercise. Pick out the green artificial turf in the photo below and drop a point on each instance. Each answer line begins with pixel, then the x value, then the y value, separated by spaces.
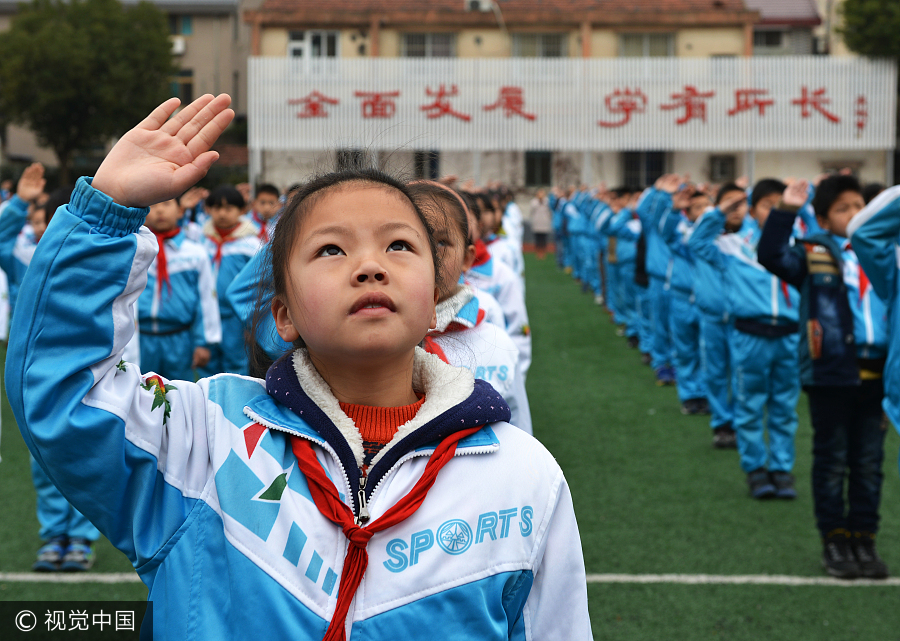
pixel 650 493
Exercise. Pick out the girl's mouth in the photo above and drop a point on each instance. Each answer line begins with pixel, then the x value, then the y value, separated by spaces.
pixel 373 301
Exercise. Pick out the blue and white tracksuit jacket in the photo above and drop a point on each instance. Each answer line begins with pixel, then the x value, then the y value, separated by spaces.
pixel 501 282
pixel 230 355
pixel 626 229
pixel 874 233
pixel 198 485
pixel 766 377
pixel 684 319
pixel 654 208
pixel 16 244
pixel 176 318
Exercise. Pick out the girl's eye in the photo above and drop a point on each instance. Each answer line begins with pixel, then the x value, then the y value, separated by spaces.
pixel 399 246
pixel 442 244
pixel 330 250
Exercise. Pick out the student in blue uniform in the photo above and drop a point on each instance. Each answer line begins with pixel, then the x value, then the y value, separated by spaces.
pixel 625 228
pixel 843 345
pixel 715 321
pixel 765 379
pixel 684 320
pixel 178 313
pixel 655 206
pixel 264 210
pixel 231 242
pixel 67 534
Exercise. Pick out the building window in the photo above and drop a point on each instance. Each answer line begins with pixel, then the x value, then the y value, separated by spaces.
pixel 426 164
pixel 539 45
pixel 428 45
pixel 642 168
pixel 182 86
pixel 313 44
pixel 181 25
pixel 647 45
pixel 538 168
pixel 771 43
pixel 722 168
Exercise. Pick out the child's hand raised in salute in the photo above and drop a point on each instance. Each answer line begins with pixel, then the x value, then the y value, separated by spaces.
pixel 161 157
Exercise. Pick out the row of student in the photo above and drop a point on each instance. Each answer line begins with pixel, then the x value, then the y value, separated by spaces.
pixel 758 294
pixel 364 488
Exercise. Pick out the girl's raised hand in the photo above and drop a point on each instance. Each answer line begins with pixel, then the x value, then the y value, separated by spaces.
pixel 161 157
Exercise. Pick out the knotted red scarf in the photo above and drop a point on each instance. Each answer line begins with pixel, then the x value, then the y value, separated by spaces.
pixel 224 236
pixel 863 279
pixel 325 496
pixel 482 255
pixel 162 268
pixel 263 227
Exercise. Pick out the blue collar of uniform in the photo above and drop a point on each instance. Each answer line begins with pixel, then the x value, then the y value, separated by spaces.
pixel 485 269
pixel 468 315
pixel 275 415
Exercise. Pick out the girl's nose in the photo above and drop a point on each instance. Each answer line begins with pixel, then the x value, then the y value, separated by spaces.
pixel 370 270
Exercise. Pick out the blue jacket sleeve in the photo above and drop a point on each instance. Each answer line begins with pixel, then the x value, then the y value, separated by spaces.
pixel 702 243
pixel 775 251
pixel 131 454
pixel 874 233
pixel 242 294
pixel 12 220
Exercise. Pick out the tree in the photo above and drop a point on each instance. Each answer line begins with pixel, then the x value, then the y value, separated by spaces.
pixel 79 72
pixel 872 27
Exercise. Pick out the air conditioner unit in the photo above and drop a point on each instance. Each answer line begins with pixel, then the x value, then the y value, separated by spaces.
pixel 479 5
pixel 179 45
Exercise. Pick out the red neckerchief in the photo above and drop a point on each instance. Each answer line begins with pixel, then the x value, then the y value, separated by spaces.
pixel 224 236
pixel 482 255
pixel 263 226
pixel 863 279
pixel 432 347
pixel 325 496
pixel 162 269
pixel 786 292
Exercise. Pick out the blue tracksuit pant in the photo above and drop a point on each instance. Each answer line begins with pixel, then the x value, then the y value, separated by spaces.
pixel 56 516
pixel 231 354
pixel 612 289
pixel 625 302
pixel 684 324
pixel 659 310
pixel 169 355
pixel 766 380
pixel 645 333
pixel 715 361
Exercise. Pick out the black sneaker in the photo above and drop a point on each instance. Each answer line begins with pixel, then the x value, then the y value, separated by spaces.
pixel 633 342
pixel 871 566
pixel 79 556
pixel 784 485
pixel 689 407
pixel 50 555
pixel 724 437
pixel 703 407
pixel 760 485
pixel 837 555
pixel 646 359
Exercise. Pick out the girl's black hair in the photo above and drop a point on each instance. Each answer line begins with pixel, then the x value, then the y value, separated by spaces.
pixel 274 280
pixel 57 199
pixel 225 195
pixel 766 187
pixel 727 187
pixel 472 204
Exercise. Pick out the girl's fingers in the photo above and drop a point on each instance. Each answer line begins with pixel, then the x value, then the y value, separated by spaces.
pixel 178 121
pixel 202 118
pixel 160 115
pixel 189 174
pixel 205 138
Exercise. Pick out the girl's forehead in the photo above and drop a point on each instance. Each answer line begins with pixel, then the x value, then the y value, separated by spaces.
pixel 360 202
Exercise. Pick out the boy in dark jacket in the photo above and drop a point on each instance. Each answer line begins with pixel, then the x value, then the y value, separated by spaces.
pixel 843 345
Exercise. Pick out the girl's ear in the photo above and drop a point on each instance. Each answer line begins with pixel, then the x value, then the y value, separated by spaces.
pixel 283 323
pixel 437 297
pixel 469 258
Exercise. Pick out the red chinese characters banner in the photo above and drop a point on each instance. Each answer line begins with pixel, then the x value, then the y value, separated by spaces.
pixel 798 102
